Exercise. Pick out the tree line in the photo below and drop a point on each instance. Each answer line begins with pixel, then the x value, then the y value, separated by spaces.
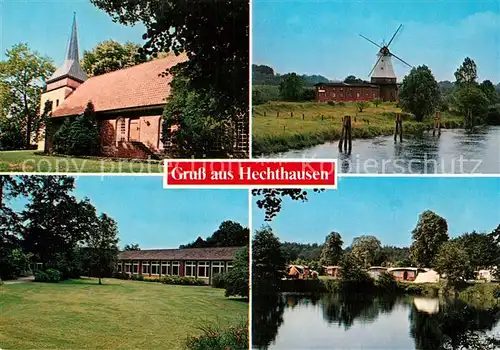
pixel 229 234
pixel 420 93
pixel 458 258
pixel 209 95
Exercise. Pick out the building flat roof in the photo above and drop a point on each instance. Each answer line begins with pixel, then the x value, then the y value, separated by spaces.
pixel 218 253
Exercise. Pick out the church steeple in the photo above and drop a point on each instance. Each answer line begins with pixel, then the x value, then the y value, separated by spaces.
pixel 71 67
pixel 73 42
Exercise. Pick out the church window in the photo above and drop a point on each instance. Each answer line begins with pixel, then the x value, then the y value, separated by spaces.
pixel 57 103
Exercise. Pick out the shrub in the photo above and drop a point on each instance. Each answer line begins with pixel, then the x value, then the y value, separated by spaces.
pixel 257 98
pixel 493 117
pixel 53 275
pixel 123 275
pixel 187 281
pixel 341 104
pixel 79 136
pixel 61 140
pixel 387 283
pixel 308 94
pixel 49 275
pixel 331 103
pixel 216 338
pixel 14 263
pixel 376 101
pixel 137 277
pixel 361 105
pixel 41 276
pixel 218 281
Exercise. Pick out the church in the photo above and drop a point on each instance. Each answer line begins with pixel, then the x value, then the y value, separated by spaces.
pixel 128 103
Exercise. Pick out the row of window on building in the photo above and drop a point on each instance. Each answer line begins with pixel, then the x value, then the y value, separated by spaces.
pixel 199 269
pixel 358 95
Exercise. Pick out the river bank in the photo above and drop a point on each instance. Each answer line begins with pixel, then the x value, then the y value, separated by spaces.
pixel 470 293
pixel 283 126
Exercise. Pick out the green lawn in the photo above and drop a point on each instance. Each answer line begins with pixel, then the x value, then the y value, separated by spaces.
pixel 29 161
pixel 80 314
pixel 280 126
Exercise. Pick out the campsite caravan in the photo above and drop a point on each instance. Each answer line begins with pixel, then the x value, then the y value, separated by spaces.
pixel 405 273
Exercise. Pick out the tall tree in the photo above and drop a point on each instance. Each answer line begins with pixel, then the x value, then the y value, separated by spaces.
pixel 56 223
pixel 214 36
pixel 103 245
pixel 291 87
pixel 268 262
pixel 472 98
pixel 480 248
pixel 110 55
pixel 431 231
pixel 453 261
pixel 229 234
pixel 236 281
pixel 419 93
pixel 23 73
pixel 332 249
pixel 466 74
pixel 365 249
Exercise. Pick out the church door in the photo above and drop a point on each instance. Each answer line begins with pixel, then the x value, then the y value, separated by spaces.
pixel 135 129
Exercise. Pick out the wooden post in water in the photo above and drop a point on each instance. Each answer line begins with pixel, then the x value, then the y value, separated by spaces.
pixel 342 134
pixel 345 142
pixel 399 128
pixel 437 124
pixel 277 114
pixel 349 133
pixel 291 114
pixel 264 113
pixel 302 116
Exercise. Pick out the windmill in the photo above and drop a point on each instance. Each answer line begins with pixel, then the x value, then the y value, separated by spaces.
pixel 382 73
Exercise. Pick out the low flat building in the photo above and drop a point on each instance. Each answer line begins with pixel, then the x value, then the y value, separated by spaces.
pixel 202 263
pixel 346 92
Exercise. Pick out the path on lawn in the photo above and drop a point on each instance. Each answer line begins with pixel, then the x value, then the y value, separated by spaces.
pixel 20 280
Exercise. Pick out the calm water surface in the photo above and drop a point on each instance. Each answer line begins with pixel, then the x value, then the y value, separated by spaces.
pixel 366 322
pixel 456 151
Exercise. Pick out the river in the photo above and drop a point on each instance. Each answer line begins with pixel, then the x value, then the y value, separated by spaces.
pixel 456 151
pixel 330 321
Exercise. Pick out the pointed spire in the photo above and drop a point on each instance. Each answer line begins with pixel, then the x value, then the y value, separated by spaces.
pixel 73 42
pixel 71 67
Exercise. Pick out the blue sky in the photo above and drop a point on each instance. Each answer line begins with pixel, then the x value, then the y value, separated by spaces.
pixel 321 37
pixel 46 26
pixel 388 208
pixel 154 217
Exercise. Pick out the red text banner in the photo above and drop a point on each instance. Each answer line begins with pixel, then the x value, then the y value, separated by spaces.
pixel 250 174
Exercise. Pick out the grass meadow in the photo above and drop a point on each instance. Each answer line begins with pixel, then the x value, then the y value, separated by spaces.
pixel 80 314
pixel 32 161
pixel 281 126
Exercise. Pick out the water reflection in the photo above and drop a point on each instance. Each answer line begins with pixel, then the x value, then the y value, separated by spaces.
pixel 455 151
pixel 333 321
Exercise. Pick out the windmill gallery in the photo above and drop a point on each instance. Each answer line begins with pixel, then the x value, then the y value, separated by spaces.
pixel 383 83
